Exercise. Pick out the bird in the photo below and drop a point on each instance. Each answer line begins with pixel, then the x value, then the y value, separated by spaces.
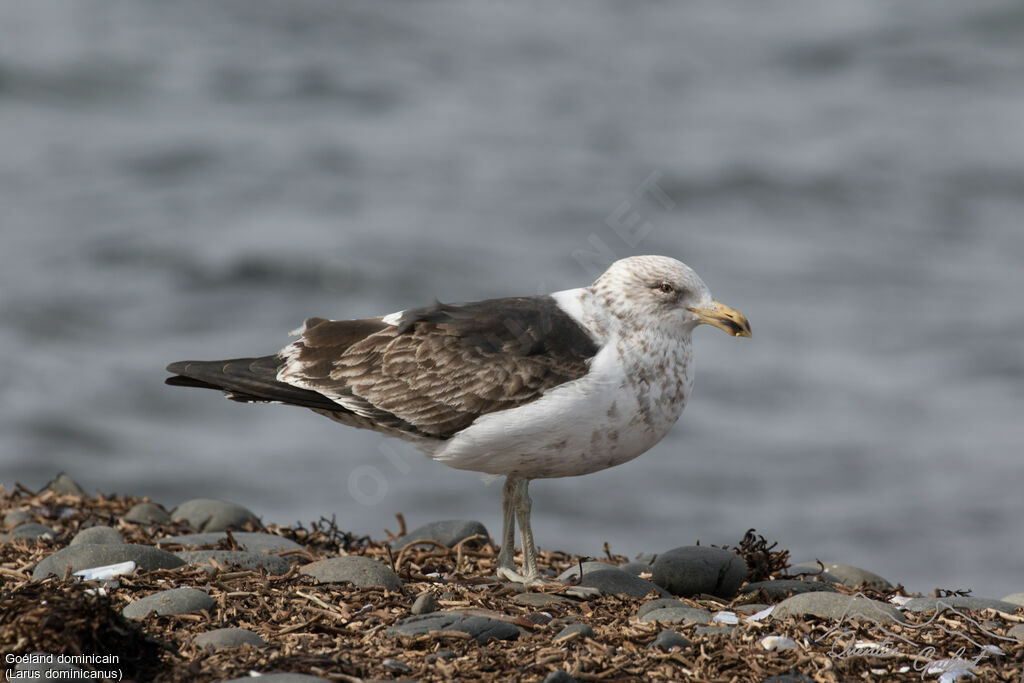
pixel 524 387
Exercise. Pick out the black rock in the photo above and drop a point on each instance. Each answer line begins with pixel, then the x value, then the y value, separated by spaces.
pixel 695 569
pixel 570 631
pixel 559 676
pixel 613 581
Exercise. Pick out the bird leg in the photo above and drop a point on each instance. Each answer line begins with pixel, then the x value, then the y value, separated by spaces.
pixel 506 557
pixel 516 509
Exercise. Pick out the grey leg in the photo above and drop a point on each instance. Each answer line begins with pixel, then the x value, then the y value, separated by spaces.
pixel 523 505
pixel 506 556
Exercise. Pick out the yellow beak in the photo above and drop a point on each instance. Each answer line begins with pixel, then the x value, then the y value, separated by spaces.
pixel 724 318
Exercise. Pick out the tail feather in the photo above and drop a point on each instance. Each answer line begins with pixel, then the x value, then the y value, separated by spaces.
pixel 247 380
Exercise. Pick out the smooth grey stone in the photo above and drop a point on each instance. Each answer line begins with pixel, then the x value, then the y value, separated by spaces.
pixel 29 530
pixel 667 640
pixel 1017 632
pixel 252 541
pixel 479 627
pixel 146 513
pixel 783 588
pixel 836 606
pixel 635 568
pixel 843 573
pixel 16 517
pixel 228 637
pixel 559 676
pixel 441 654
pixel 62 483
pixel 424 604
pixel 695 569
pixel 45 671
pixel 588 567
pixel 584 630
pixel 97 534
pixel 241 558
pixel 659 603
pixel 678 615
pixel 1015 598
pixel 958 602
pixel 614 581
pixel 174 601
pixel 789 678
pixel 447 532
pixel 354 569
pixel 396 665
pixel 207 514
pixel 89 555
pixel 713 630
pixel 277 678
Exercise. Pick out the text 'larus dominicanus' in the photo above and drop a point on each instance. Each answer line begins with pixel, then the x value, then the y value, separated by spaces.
pixel 526 387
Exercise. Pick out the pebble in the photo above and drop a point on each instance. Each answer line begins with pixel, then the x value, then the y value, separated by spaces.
pixel 751 608
pixel 789 678
pixel 360 571
pixel 695 569
pixel 228 637
pixel 538 599
pixel 677 615
pixel 1017 632
pixel 958 601
pixel 659 603
pixel 447 532
pixel 62 483
pixel 424 604
pixel 277 678
pixel 441 654
pixel 102 535
pixel 43 671
pixel 836 606
pixel 146 513
pixel 1015 598
pixel 174 601
pixel 559 676
pixel 783 588
pixel 479 627
pixel 16 517
pixel 574 631
pixel 573 572
pixel 636 568
pixel 207 514
pixel 241 558
pixel 613 581
pixel 29 530
pixel 668 640
pixel 396 665
pixel 89 555
pixel 843 573
pixel 248 540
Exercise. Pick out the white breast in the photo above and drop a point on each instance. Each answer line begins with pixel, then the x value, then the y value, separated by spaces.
pixel 625 404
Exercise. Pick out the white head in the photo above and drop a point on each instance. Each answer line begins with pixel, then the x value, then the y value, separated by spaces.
pixel 641 289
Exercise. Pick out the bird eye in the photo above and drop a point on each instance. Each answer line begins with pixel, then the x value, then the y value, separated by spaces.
pixel 666 288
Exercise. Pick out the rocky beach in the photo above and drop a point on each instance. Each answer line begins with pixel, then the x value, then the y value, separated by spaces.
pixel 116 587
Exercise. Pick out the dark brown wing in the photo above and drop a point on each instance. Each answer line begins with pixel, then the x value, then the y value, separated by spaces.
pixel 442 366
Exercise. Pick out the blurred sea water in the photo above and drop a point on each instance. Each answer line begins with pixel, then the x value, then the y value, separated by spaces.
pixel 192 180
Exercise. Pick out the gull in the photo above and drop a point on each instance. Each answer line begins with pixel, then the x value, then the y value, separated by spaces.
pixel 528 387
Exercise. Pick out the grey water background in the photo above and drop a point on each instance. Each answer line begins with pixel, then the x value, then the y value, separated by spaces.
pixel 192 180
